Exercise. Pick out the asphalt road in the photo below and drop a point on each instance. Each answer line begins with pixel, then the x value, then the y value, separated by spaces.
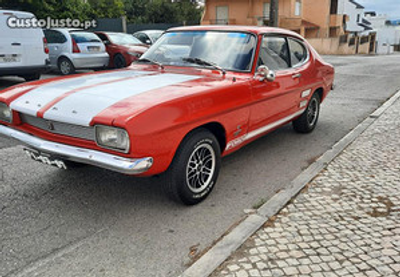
pixel 90 222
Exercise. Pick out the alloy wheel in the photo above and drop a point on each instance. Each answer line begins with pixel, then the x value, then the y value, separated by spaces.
pixel 200 168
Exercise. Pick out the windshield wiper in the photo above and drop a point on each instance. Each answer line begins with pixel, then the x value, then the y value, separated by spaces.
pixel 151 61
pixel 205 63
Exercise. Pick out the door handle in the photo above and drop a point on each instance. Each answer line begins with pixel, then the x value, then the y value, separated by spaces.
pixel 16 44
pixel 295 76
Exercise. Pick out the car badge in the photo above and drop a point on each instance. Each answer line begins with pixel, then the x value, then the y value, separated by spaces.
pixel 50 126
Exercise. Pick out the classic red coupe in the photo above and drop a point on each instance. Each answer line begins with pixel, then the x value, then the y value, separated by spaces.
pixel 198 94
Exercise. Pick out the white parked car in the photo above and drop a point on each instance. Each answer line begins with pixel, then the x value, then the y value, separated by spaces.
pixel 72 49
pixel 23 51
pixel 148 37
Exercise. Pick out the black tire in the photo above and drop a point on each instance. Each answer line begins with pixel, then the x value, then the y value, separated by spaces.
pixel 31 77
pixel 308 120
pixel 65 66
pixel 201 150
pixel 119 61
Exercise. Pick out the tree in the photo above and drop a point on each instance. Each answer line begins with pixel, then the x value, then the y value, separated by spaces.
pixel 188 11
pixel 135 10
pixel 107 8
pixel 51 8
pixel 162 11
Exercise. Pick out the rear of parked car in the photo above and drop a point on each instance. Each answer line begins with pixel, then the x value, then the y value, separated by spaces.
pixel 23 51
pixel 75 49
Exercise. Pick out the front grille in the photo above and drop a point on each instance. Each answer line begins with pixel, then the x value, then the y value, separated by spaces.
pixel 59 128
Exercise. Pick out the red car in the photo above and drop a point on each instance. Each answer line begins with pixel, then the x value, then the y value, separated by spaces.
pixel 123 49
pixel 199 94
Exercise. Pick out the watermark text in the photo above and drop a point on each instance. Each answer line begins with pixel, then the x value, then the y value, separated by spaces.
pixel 48 23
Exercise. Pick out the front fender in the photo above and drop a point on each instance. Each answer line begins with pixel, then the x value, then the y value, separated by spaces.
pixel 159 130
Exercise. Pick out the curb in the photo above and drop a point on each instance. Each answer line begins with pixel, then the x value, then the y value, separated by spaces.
pixel 213 258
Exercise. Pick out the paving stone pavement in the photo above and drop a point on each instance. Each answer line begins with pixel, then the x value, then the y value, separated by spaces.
pixel 345 223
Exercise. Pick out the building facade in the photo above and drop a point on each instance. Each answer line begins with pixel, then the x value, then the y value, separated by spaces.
pixel 388 35
pixel 329 25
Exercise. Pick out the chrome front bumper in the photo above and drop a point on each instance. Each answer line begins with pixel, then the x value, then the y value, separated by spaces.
pixel 81 155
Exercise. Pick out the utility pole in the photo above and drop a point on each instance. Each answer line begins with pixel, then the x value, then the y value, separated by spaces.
pixel 273 13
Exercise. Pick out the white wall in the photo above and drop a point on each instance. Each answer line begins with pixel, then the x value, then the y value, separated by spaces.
pixel 352 12
pixel 387 36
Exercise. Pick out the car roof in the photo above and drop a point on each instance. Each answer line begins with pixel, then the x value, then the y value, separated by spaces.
pixel 19 13
pixel 150 31
pixel 234 28
pixel 112 33
pixel 68 29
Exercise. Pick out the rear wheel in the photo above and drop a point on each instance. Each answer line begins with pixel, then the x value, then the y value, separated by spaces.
pixel 31 77
pixel 66 67
pixel 195 168
pixel 308 120
pixel 119 61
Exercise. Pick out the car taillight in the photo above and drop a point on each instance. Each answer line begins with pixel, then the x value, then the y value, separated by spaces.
pixel 45 47
pixel 75 48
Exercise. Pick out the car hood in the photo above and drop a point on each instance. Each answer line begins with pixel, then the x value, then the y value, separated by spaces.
pixel 137 48
pixel 107 95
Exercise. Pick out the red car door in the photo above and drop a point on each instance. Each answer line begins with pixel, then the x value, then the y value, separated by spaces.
pixel 274 102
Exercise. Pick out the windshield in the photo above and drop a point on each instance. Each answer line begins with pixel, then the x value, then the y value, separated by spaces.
pixel 123 39
pixel 83 37
pixel 154 35
pixel 228 50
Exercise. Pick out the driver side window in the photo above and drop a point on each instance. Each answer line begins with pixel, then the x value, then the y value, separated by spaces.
pixel 274 53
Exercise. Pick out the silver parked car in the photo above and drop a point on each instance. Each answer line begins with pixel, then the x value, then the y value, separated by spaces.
pixel 75 49
pixel 148 37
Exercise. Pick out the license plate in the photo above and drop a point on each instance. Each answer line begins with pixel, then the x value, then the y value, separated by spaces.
pixel 45 158
pixel 93 48
pixel 9 59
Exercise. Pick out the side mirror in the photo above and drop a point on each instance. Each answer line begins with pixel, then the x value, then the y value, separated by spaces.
pixel 106 42
pixel 148 41
pixel 264 73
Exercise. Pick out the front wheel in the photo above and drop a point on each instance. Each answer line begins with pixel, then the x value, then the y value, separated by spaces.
pixel 308 120
pixel 195 168
pixel 119 61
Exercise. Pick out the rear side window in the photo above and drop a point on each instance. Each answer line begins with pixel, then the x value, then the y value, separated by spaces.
pixel 53 36
pixel 298 52
pixel 142 37
pixel 84 37
pixel 102 37
pixel 274 53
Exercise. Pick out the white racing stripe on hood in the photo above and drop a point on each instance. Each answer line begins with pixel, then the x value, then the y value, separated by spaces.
pixel 80 108
pixel 31 102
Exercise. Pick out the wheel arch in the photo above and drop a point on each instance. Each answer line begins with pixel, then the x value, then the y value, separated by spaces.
pixel 320 92
pixel 217 129
pixel 62 57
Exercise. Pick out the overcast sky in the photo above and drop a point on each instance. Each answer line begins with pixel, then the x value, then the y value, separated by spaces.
pixel 389 7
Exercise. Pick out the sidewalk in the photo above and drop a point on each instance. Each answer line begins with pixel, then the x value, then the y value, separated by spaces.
pixel 345 223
